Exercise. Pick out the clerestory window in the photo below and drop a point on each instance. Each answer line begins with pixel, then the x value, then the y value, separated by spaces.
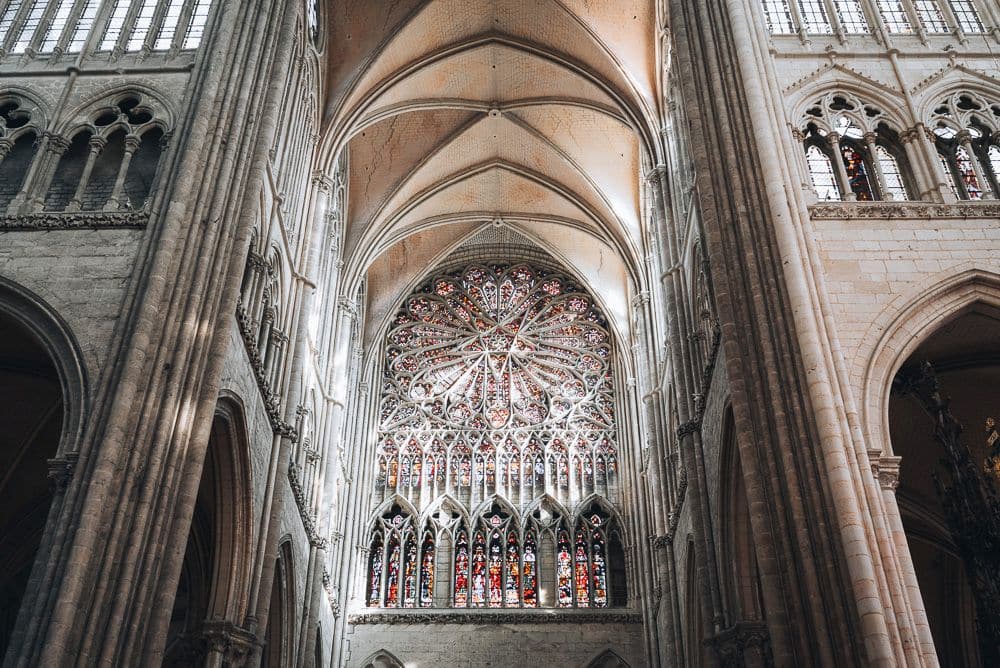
pixel 966 129
pixel 45 27
pixel 497 392
pixel 852 153
pixel 811 17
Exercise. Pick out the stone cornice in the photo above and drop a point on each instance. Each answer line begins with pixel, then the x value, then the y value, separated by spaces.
pixel 892 210
pixel 79 220
pixel 452 616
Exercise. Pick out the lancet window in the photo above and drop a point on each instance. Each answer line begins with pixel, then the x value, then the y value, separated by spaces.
pixel 852 152
pixel 44 27
pixel 966 129
pixel 498 393
pixel 849 16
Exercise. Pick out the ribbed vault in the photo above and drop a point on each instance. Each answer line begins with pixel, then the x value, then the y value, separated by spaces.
pixel 458 113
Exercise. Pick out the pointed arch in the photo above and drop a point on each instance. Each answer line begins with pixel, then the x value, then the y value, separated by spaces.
pixel 904 324
pixel 608 659
pixel 382 659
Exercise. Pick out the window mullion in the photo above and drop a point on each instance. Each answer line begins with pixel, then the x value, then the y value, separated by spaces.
pixel 121 46
pixel 799 26
pixel 15 27
pixel 71 21
pixel 833 16
pixel 952 20
pixel 915 22
pixel 48 16
pixel 180 33
pixel 875 22
pixel 154 26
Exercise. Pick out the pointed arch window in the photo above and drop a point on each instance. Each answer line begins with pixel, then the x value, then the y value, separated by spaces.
pixel 497 391
pixel 966 129
pixel 852 153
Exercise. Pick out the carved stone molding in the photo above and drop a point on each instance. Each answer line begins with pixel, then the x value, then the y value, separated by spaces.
pixel 308 520
pixel 272 402
pixel 886 470
pixel 744 643
pixel 61 470
pixel 78 220
pixel 547 616
pixel 893 210
pixel 235 644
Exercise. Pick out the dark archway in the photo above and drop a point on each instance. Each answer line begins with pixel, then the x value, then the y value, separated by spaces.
pixel 964 355
pixel 277 635
pixel 43 392
pixel 33 407
pixel 213 587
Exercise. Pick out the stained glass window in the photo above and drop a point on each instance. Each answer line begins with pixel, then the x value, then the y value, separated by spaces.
pixel 392 573
pixel 857 172
pixel 893 188
pixel 599 569
pixel 528 572
pixel 967 173
pixel 427 571
pixel 461 570
pixel 581 562
pixel 821 173
pixel 894 16
pixel 778 17
pixel 852 16
pixel 564 570
pixel 375 570
pixel 497 385
pixel 479 571
pixel 410 573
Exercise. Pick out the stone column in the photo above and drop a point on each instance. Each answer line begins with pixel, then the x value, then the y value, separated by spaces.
pixel 965 141
pixel 132 144
pixel 96 145
pixel 880 186
pixel 846 194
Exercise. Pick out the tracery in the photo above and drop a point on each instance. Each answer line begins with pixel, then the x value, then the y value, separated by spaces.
pixel 497 424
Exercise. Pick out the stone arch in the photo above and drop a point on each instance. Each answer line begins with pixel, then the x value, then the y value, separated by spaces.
pixel 951 320
pixel 382 659
pixel 742 598
pixel 608 659
pixel 904 324
pixel 214 584
pixel 54 334
pixel 278 647
pixel 43 391
pixel 947 86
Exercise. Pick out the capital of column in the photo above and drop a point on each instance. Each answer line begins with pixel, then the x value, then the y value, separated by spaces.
pixel 323 182
pixel 886 471
pixel 97 143
pixel 656 172
pixel 833 139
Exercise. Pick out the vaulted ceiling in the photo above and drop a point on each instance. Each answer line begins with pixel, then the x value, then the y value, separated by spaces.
pixel 458 113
